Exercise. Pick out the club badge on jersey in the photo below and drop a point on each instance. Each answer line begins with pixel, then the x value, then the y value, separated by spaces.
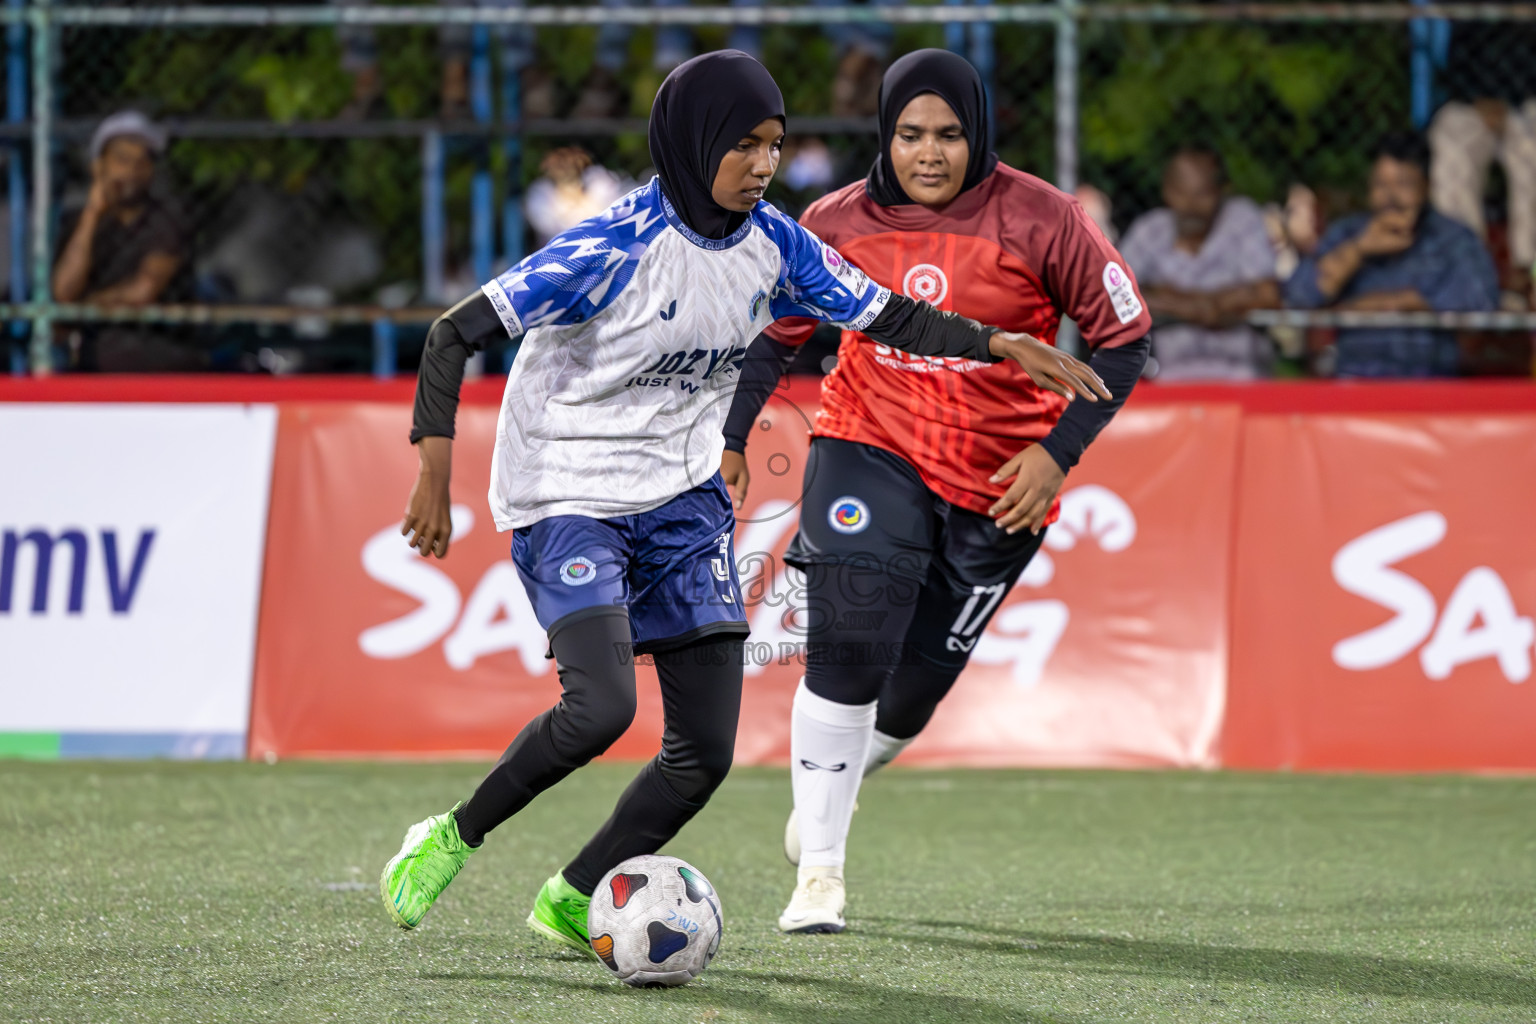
pixel 925 283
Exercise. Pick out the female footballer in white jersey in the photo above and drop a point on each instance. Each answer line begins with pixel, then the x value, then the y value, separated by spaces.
pixel 633 326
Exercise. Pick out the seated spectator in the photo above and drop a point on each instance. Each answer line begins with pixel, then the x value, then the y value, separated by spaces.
pixel 1204 262
pixel 127 248
pixel 1402 257
pixel 1490 79
pixel 572 189
pixel 1099 208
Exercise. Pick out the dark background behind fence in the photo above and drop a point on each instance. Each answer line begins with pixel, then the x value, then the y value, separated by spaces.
pixel 298 196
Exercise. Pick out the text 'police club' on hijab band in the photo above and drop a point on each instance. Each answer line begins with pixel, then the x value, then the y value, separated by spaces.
pixel 951 78
pixel 706 106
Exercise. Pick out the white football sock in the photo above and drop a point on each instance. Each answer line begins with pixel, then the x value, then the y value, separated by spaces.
pixel 883 750
pixel 828 744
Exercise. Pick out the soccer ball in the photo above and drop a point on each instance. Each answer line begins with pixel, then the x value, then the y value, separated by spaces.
pixel 655 921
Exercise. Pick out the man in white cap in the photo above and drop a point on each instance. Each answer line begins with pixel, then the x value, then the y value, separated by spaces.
pixel 127 247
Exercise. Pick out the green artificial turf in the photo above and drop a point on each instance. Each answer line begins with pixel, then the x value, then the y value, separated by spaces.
pixel 247 892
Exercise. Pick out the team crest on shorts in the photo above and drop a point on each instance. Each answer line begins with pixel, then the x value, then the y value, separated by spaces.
pixel 578 571
pixel 848 515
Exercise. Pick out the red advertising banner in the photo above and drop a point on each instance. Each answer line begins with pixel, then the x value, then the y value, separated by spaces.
pixel 366 648
pixel 1312 576
pixel 1384 588
pixel 1111 651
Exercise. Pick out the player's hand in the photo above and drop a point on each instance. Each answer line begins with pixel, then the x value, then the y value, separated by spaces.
pixel 427 511
pixel 1388 233
pixel 733 470
pixel 1049 367
pixel 1028 499
pixel 99 200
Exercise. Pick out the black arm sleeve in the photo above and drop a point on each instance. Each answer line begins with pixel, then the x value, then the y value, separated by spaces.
pixel 1120 368
pixel 765 364
pixel 918 328
pixel 453 338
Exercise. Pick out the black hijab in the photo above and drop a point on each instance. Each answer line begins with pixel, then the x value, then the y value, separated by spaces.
pixel 706 106
pixel 951 78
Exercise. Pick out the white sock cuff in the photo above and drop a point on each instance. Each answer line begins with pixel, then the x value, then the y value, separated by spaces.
pixel 883 749
pixel 830 712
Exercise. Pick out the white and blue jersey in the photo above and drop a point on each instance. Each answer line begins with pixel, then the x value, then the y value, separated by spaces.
pixel 634 328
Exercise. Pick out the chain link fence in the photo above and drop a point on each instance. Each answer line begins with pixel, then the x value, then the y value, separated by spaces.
pixel 340 171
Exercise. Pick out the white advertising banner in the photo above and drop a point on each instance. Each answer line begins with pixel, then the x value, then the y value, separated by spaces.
pixel 131 545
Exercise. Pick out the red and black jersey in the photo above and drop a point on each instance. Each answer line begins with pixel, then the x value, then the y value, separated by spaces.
pixel 1014 252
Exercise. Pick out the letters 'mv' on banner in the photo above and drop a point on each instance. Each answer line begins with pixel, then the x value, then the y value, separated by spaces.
pixel 130 561
pixel 1110 651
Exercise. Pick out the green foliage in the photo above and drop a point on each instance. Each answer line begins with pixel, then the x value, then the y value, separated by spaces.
pixel 1282 103
pixel 296 84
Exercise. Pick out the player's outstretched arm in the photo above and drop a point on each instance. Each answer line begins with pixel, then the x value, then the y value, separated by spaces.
pixel 819 282
pixel 762 369
pixel 452 339
pixel 1049 367
pixel 1038 472
pixel 921 329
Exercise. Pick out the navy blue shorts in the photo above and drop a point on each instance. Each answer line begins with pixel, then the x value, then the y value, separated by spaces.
pixel 868 508
pixel 673 568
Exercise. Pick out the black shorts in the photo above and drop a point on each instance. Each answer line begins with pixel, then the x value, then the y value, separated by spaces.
pixel 864 506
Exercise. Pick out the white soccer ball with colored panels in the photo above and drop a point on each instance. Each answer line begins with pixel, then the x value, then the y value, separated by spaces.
pixel 655 921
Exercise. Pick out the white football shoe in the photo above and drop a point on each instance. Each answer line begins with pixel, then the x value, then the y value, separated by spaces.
pixel 817 904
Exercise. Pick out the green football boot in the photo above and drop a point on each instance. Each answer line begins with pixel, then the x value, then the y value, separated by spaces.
pixel 560 913
pixel 428 859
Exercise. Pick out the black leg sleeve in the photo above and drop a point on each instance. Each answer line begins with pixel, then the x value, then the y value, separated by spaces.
pixel 856 623
pixel 701 696
pixel 910 695
pixel 597 705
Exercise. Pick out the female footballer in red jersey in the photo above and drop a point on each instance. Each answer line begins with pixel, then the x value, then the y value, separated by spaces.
pixel 941 474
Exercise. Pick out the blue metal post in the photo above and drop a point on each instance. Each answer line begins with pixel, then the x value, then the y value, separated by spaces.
pixel 385 349
pixel 482 196
pixel 40 351
pixel 983 51
pixel 954 31
pixel 512 225
pixel 1429 42
pixel 433 233
pixel 15 113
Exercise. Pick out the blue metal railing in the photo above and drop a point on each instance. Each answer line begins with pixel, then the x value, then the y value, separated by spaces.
pixel 968 29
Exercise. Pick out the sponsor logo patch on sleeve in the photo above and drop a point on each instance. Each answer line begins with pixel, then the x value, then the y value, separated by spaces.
pixel 1122 294
pixel 850 276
